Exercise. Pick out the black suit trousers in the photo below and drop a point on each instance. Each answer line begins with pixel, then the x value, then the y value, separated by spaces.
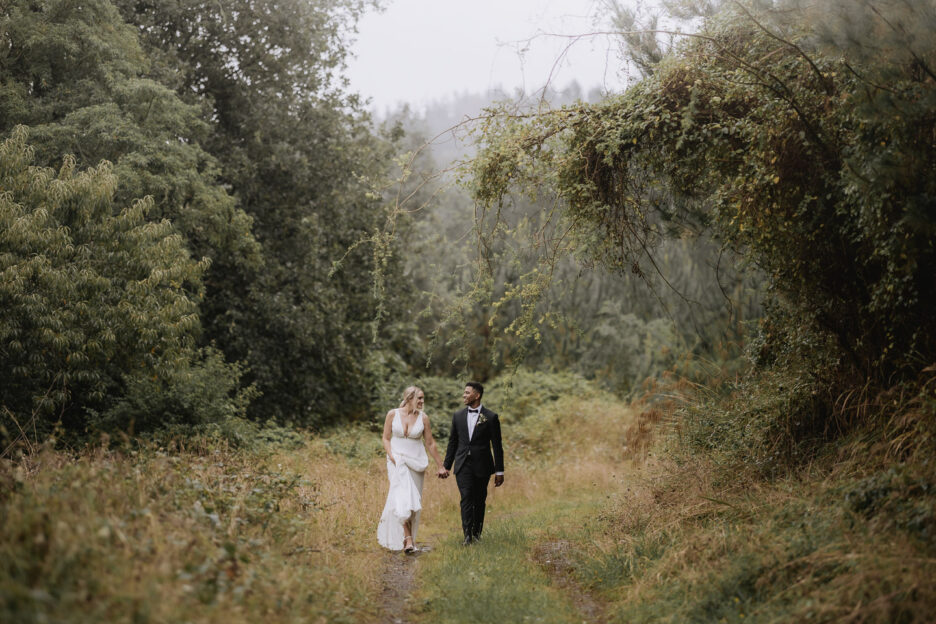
pixel 473 490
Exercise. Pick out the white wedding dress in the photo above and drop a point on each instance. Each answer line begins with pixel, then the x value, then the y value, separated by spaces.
pixel 404 500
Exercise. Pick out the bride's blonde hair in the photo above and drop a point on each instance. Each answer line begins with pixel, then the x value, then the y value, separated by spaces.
pixel 409 394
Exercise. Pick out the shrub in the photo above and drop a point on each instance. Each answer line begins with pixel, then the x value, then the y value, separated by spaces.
pixel 100 308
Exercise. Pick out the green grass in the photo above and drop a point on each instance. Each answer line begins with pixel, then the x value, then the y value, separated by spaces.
pixel 499 580
pixel 605 570
pixel 494 581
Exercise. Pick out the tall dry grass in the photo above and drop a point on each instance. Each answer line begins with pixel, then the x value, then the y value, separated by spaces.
pixel 207 533
pixel 845 538
pixel 218 535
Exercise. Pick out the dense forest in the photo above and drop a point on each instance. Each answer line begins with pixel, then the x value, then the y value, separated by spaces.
pixel 200 226
pixel 208 244
pixel 176 196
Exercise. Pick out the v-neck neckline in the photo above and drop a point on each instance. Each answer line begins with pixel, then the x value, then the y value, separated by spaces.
pixel 406 429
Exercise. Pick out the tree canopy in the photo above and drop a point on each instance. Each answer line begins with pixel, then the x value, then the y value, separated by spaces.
pixel 802 138
pixel 232 125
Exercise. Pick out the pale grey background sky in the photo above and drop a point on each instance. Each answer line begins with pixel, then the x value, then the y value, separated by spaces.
pixel 418 51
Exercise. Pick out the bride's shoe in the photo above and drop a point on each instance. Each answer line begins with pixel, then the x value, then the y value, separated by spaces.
pixel 411 548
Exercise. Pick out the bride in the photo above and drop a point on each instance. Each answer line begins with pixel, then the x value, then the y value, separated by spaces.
pixel 405 430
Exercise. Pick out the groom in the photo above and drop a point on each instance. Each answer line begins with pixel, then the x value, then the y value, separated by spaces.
pixel 475 434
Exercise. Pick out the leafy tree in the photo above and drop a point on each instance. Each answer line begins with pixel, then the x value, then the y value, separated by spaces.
pixel 604 324
pixel 75 73
pixel 802 142
pixel 100 307
pixel 303 161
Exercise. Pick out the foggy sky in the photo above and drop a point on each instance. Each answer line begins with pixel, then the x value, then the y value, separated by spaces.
pixel 417 51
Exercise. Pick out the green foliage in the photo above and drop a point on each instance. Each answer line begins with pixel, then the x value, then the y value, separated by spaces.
pixel 251 148
pixel 76 75
pixel 358 443
pixel 621 565
pixel 443 395
pixel 493 581
pixel 74 72
pixel 206 394
pixel 301 158
pixel 100 306
pixel 516 397
pixel 621 350
pixel 527 399
pixel 616 328
pixel 898 498
pixel 766 419
pixel 274 436
pixel 806 152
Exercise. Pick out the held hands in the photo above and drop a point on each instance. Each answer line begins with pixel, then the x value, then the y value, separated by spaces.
pixel 442 473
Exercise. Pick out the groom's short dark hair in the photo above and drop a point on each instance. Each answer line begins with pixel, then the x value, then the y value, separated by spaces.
pixel 476 386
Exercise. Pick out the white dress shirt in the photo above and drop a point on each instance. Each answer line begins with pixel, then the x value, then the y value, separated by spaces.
pixel 473 420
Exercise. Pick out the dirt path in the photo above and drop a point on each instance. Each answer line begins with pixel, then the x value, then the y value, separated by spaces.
pixel 554 558
pixel 399 579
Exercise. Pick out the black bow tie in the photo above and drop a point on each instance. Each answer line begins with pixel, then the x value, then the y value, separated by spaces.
pixel 473 411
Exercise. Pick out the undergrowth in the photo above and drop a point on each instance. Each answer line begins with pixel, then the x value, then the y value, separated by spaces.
pixel 193 531
pixel 692 545
pixel 754 515
pixel 655 518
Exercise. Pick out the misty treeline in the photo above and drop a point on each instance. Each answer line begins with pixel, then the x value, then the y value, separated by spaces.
pixel 199 221
pixel 507 290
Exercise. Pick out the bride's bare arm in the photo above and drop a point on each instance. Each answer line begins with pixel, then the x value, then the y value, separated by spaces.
pixel 431 446
pixel 387 434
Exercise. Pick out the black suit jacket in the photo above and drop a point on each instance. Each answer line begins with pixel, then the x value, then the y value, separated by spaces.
pixel 486 439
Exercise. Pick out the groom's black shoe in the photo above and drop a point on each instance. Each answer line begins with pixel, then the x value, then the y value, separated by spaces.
pixel 467 541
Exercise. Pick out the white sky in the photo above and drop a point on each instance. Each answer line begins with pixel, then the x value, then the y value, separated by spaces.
pixel 417 51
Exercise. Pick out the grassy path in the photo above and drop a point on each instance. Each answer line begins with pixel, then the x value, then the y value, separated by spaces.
pixel 211 534
pixel 518 573
pixel 522 569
